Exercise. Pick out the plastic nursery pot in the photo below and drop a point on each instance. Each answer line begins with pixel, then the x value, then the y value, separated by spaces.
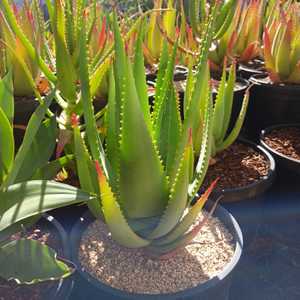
pixel 180 73
pixel 254 67
pixel 284 162
pixel 256 189
pixel 58 290
pixel 215 288
pixel 270 104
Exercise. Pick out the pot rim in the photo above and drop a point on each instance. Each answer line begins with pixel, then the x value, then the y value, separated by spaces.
pixel 224 216
pixel 64 286
pixel 270 129
pixel 269 176
pixel 264 80
pixel 251 69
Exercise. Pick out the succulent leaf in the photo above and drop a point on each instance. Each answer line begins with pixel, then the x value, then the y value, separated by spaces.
pixel 238 125
pixel 118 226
pixel 188 219
pixel 7 145
pixel 178 196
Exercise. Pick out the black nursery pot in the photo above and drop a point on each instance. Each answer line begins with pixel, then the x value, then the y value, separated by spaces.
pixel 180 74
pixel 255 67
pixel 256 189
pixel 270 104
pixel 285 163
pixel 215 288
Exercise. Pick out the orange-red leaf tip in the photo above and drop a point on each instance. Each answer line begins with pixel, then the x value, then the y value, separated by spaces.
pixel 74 120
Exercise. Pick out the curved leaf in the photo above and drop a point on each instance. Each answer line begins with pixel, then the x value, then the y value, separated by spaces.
pixel 238 125
pixel 28 261
pixel 7 145
pixel 23 200
pixel 178 197
pixel 114 218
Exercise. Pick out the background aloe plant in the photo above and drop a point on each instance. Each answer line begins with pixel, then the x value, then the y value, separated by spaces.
pixel 13 53
pixel 281 43
pixel 242 39
pixel 246 34
pixel 154 38
pixel 222 112
pixel 22 198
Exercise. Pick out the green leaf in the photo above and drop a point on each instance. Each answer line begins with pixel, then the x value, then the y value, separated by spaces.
pixel 140 79
pixel 66 73
pixel 23 200
pixel 162 69
pixel 170 130
pixel 7 96
pixel 142 181
pixel 28 261
pixel 238 125
pixel 163 92
pixel 98 76
pixel 91 127
pixel 178 197
pixel 187 221
pixel 50 170
pixel 189 87
pixel 42 147
pixel 219 108
pixel 7 145
pixel 86 172
pixel 228 101
pixel 114 218
pixel 205 150
pixel 113 128
pixel 30 133
pixel 224 20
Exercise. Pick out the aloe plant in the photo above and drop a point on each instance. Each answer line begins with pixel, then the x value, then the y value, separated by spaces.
pixel 146 176
pixel 281 44
pixel 242 39
pixel 246 39
pixel 13 52
pixel 198 12
pixel 222 112
pixel 22 198
pixel 154 38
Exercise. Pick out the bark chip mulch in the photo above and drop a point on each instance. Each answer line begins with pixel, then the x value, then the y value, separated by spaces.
pixel 285 141
pixel 237 166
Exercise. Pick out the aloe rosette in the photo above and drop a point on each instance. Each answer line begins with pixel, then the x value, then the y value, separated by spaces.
pixel 146 177
pixel 242 39
pixel 222 112
pixel 14 54
pixel 281 44
pixel 154 38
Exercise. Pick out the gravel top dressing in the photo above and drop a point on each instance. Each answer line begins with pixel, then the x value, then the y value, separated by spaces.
pixel 132 271
pixel 285 141
pixel 237 166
